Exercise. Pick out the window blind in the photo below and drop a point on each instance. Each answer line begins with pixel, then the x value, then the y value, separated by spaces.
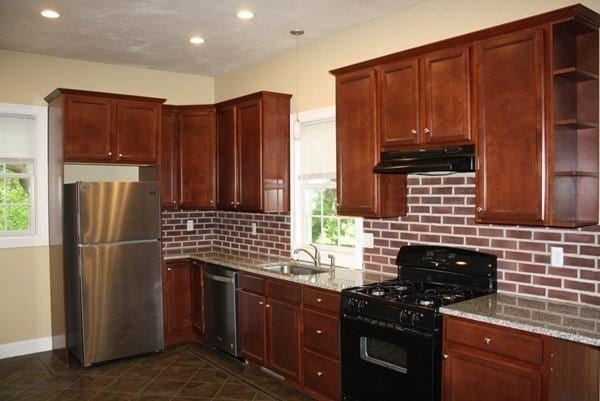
pixel 317 150
pixel 17 137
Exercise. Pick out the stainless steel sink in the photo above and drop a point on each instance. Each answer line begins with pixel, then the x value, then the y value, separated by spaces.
pixel 293 269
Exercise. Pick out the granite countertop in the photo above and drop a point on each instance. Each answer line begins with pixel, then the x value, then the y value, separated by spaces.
pixel 574 322
pixel 340 279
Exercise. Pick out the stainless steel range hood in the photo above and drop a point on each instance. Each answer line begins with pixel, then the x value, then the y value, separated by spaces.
pixel 451 159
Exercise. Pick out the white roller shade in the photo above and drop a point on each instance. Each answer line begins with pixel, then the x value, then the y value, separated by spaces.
pixel 17 137
pixel 317 150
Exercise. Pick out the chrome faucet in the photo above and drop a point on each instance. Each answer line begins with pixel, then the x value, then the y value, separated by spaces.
pixel 316 258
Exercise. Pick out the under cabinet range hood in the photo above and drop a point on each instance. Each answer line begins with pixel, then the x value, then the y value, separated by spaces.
pixel 449 159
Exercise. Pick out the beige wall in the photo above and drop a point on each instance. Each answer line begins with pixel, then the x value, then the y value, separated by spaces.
pixel 26 79
pixel 417 25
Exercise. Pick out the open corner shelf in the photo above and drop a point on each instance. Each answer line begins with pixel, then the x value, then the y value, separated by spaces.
pixel 575 74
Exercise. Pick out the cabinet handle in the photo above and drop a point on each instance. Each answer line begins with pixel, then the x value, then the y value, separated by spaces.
pixel 413 131
pixel 319 300
pixel 319 332
pixel 320 374
pixel 427 131
pixel 261 303
pixel 487 340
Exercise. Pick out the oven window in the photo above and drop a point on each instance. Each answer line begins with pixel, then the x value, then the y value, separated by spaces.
pixel 383 354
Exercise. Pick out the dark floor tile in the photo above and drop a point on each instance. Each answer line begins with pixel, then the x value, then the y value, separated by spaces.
pixel 24 378
pixel 143 372
pixel 200 390
pixel 36 394
pixel 146 397
pixel 127 385
pixel 74 395
pixel 189 360
pixel 112 397
pixel 114 369
pixel 61 381
pixel 237 391
pixel 159 360
pixel 7 391
pixel 92 383
pixel 178 373
pixel 162 387
pixel 210 374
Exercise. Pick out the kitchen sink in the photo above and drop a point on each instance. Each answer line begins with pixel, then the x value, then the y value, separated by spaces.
pixel 293 269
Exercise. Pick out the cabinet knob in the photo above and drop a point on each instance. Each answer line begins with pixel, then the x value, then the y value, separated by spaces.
pixel 232 203
pixel 445 356
pixel 427 131
pixel 319 300
pixel 267 306
pixel 169 269
pixel 413 131
pixel 261 303
pixel 320 374
pixel 110 153
pixel 238 203
pixel 212 202
pixel 479 209
pixel 319 332
pixel 487 340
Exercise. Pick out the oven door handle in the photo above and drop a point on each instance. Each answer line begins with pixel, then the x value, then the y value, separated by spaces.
pixel 397 329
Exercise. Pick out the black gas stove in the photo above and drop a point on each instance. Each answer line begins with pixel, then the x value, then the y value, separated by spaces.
pixel 391 331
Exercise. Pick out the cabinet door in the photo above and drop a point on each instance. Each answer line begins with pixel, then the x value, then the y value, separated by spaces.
pixel 228 150
pixel 509 83
pixel 249 128
pixel 493 381
pixel 88 129
pixel 252 321
pixel 399 104
pixel 168 159
pixel 197 143
pixel 284 349
pixel 574 371
pixel 356 143
pixel 177 306
pixel 197 287
pixel 447 86
pixel 137 131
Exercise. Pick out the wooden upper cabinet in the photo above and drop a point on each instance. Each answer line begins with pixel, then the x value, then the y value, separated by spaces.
pixel 250 161
pixel 360 192
pixel 227 151
pixel 510 110
pixel 399 103
pixel 169 158
pixel 88 129
pixel 197 157
pixel 254 156
pixel 137 131
pixel 447 97
pixel 109 128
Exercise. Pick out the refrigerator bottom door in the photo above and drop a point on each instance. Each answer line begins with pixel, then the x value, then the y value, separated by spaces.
pixel 121 300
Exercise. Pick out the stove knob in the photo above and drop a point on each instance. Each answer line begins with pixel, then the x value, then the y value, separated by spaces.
pixel 416 317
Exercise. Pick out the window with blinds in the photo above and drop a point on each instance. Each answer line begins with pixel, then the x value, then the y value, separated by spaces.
pixel 315 210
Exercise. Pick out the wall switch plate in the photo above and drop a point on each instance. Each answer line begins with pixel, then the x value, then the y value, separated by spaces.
pixel 253 228
pixel 190 225
pixel 367 240
pixel 556 256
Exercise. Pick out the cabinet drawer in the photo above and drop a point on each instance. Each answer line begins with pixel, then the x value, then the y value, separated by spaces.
pixel 283 291
pixel 322 375
pixel 327 301
pixel 510 343
pixel 322 333
pixel 251 283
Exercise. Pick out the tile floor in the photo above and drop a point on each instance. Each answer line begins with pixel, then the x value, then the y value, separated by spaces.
pixel 188 372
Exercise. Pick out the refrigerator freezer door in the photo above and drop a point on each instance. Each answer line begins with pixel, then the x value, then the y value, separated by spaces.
pixel 118 211
pixel 121 292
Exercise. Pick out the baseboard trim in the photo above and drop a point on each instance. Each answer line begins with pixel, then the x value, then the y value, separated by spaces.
pixel 9 350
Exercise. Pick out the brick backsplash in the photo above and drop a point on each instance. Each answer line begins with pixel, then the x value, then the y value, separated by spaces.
pixel 441 212
pixel 226 231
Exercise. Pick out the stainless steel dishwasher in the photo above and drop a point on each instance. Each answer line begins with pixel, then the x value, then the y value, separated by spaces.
pixel 220 308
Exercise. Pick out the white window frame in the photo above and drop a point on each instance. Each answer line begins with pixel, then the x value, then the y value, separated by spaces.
pixel 347 257
pixel 38 236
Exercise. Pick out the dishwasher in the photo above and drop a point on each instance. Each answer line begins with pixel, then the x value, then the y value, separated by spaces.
pixel 220 308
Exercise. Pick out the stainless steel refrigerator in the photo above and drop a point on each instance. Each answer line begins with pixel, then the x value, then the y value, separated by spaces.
pixel 113 267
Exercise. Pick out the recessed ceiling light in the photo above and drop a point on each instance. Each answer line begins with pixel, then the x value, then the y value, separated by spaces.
pixel 245 14
pixel 50 14
pixel 196 40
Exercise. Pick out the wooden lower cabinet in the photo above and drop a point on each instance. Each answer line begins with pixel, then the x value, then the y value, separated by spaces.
pixel 284 338
pixel 252 326
pixel 182 297
pixel 482 361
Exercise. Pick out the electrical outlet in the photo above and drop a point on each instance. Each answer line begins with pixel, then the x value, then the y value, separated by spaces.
pixel 556 256
pixel 367 240
pixel 190 225
pixel 253 228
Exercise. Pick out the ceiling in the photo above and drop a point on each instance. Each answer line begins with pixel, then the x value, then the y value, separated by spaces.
pixel 155 33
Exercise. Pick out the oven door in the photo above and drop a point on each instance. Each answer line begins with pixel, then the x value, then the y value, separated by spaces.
pixel 385 364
